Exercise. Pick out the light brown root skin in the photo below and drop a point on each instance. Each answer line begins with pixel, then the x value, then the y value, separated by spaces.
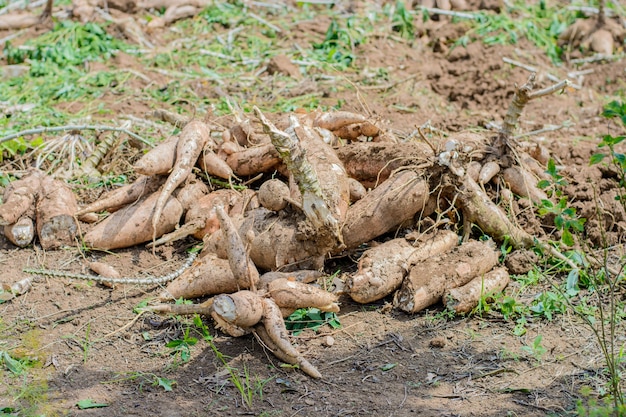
pixel 244 270
pixel 273 193
pixel 383 268
pixel 254 160
pixel 292 294
pixel 130 193
pixel 336 120
pixel 20 197
pixel 132 225
pixel 242 309
pixel 20 233
pixel 465 298
pixel 208 275
pixel 304 276
pixel 479 209
pixel 488 171
pixel 213 165
pixel 18 21
pixel 56 209
pixel 428 280
pixel 158 160
pixel 104 270
pixel 192 140
pixel 274 326
pixel 382 209
pixel 523 183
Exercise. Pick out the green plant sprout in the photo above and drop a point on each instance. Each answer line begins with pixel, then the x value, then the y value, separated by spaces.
pixel 248 386
pixel 601 307
pixel 536 349
pixel 310 318
pixel 541 23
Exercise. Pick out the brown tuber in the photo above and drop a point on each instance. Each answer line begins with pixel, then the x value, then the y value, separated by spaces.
pixel 381 210
pixel 428 280
pixel 465 298
pixel 383 267
pixel 56 210
pixel 273 195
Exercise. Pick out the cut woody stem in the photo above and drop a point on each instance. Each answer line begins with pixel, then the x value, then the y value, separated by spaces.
pixel 522 96
pixel 294 157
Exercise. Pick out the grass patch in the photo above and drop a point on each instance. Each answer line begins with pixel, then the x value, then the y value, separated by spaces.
pixel 540 23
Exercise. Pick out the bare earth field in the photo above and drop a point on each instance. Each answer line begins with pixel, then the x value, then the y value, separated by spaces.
pixel 83 341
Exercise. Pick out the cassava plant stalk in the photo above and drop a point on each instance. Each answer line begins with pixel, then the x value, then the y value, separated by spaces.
pixel 294 157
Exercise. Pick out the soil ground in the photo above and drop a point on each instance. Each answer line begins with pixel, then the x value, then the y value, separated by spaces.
pixel 91 345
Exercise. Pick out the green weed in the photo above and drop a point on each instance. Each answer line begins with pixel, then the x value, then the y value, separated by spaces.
pixel 600 307
pixel 143 379
pixel 248 386
pixel 182 347
pixel 402 21
pixel 541 23
pixel 536 349
pixel 310 318
pixel 25 379
pixel 342 37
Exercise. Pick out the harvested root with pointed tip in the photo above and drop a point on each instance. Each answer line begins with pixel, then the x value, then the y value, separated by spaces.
pixel 478 208
pixel 292 294
pixel 464 299
pixel 213 165
pixel 208 275
pixel 192 140
pixel 488 171
pixel 201 220
pixel 274 334
pixel 158 160
pixel 346 125
pixel 305 276
pixel 104 270
pixel 337 119
pixel 254 160
pixel 129 193
pixel 132 224
pixel 428 280
pixel 383 268
pixel 244 270
pixel 524 184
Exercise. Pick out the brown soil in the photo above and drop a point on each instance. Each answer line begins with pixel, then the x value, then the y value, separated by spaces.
pixel 380 362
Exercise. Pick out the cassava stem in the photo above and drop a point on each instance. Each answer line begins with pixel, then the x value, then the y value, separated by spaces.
pixel 132 281
pixel 294 157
